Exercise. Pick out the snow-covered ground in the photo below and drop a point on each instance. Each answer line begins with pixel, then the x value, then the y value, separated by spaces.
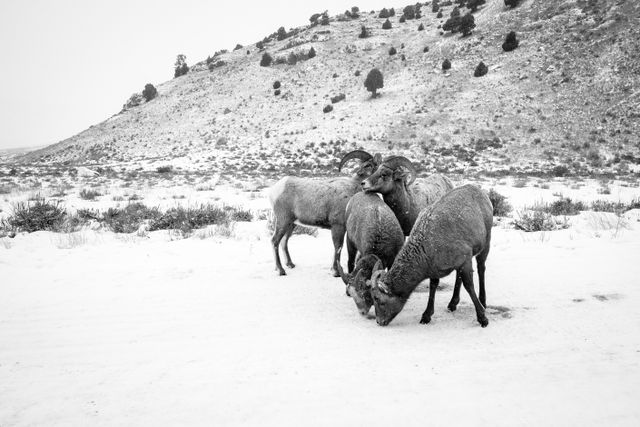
pixel 105 329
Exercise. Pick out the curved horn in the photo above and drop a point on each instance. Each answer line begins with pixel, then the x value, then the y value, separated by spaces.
pixel 394 162
pixel 383 287
pixel 374 278
pixel 378 265
pixel 345 277
pixel 356 154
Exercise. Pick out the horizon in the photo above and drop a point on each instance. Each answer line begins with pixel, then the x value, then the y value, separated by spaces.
pixel 90 58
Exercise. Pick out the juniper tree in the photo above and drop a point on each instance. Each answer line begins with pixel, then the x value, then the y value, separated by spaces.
pixel 510 42
pixel 374 81
pixel 474 4
pixel 181 67
pixel 266 60
pixel 452 24
pixel 409 12
pixel 481 70
pixel 282 34
pixel 467 23
pixel 149 92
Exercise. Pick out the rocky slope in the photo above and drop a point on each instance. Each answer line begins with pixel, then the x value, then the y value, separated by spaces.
pixel 567 100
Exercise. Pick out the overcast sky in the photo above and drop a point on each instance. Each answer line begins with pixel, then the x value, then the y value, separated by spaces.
pixel 66 64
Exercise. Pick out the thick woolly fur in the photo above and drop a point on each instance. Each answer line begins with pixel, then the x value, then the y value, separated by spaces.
pixel 316 202
pixel 407 202
pixel 444 238
pixel 372 228
pixel 374 232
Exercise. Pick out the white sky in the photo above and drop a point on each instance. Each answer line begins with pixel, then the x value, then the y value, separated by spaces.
pixel 65 64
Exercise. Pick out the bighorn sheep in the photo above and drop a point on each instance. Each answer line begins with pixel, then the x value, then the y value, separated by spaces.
pixel 406 197
pixel 374 232
pixel 320 203
pixel 446 237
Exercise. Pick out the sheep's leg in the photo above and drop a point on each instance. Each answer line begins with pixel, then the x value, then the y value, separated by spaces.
pixel 285 245
pixel 337 235
pixel 467 280
pixel 351 250
pixel 455 299
pixel 278 234
pixel 480 262
pixel 426 316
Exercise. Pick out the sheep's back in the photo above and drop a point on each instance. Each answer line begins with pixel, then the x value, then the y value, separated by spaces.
pixel 373 227
pixel 443 233
pixel 319 202
pixel 465 211
pixel 427 191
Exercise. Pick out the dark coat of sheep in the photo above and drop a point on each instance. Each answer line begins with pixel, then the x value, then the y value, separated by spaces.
pixel 406 197
pixel 445 238
pixel 316 202
pixel 374 232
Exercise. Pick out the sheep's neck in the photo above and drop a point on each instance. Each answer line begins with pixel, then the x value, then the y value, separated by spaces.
pixel 412 265
pixel 403 281
pixel 400 203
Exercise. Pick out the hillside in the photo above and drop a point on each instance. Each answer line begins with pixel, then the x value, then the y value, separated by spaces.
pixel 566 101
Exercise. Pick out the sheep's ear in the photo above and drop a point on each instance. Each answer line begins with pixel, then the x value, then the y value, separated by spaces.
pixel 401 174
pixel 377 159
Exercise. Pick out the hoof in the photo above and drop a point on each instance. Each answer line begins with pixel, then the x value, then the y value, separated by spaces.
pixel 335 274
pixel 483 322
pixel 291 265
pixel 452 307
pixel 282 273
pixel 425 319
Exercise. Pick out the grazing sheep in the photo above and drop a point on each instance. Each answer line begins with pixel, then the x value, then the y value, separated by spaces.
pixel 374 232
pixel 445 238
pixel 405 197
pixel 316 202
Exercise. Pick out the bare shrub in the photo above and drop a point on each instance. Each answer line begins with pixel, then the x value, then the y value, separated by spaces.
pixel 164 169
pixel 35 216
pixel 129 218
pixel 501 207
pixel 88 194
pixel 538 220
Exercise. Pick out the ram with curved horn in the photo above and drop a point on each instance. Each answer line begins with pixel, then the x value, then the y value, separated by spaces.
pixel 395 179
pixel 361 155
pixel 374 232
pixel 316 202
pixel 445 238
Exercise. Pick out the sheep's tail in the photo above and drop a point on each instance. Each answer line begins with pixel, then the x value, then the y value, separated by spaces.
pixel 276 190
